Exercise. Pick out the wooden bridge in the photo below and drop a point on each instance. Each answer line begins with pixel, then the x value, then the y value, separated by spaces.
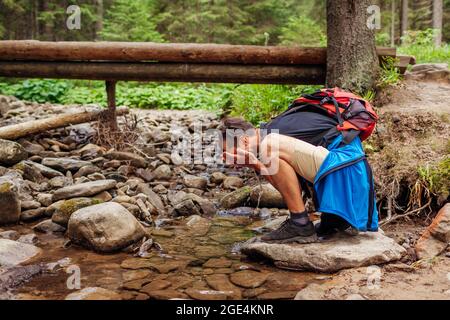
pixel 169 62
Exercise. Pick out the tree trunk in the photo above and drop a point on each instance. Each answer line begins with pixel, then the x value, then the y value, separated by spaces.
pixel 99 22
pixel 404 18
pixel 352 61
pixel 437 21
pixel 392 23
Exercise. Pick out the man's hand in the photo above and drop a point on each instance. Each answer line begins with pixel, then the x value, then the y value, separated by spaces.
pixel 241 158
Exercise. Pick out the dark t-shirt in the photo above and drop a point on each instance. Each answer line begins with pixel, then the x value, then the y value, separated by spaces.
pixel 311 127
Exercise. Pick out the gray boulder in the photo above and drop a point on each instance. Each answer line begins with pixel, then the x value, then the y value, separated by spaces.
pixel 11 152
pixel 340 252
pixel 237 198
pixel 268 196
pixel 13 253
pixel 105 227
pixel 9 201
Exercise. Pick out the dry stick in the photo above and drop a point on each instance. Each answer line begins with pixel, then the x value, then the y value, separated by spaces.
pixel 15 131
pixel 385 222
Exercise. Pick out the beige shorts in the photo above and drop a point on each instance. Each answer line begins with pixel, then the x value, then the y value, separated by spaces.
pixel 307 158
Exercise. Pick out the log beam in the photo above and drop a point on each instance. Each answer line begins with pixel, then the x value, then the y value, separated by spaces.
pixel 166 52
pixel 165 72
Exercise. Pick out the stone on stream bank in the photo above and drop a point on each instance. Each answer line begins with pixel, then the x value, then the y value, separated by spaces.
pixel 63 209
pixel 340 252
pixel 436 237
pixel 105 227
pixel 11 152
pixel 13 253
pixel 64 164
pixel 9 201
pixel 93 293
pixel 85 189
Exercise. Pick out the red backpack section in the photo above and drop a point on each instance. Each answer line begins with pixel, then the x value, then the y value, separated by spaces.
pixel 351 111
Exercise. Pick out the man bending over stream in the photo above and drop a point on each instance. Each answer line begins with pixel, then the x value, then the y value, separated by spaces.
pixel 307 148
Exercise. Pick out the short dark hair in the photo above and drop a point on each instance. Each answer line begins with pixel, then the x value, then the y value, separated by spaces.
pixel 229 125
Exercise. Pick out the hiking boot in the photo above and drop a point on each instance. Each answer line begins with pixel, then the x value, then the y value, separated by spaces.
pixel 291 232
pixel 331 224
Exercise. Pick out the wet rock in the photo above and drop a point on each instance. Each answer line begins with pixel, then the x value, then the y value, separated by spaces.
pixel 341 252
pixel 269 196
pixel 158 284
pixel 197 182
pixel 163 172
pixel 135 275
pixel 207 252
pixel 166 294
pixel 30 238
pixel 166 266
pixel 64 209
pixel 84 189
pixel 32 214
pixel 436 237
pixel 48 226
pixel 278 295
pixel 135 284
pixel 93 293
pixel 65 164
pixel 248 278
pixel 217 177
pixel 312 292
pixel 237 198
pixel 221 262
pixel 13 277
pixel 13 253
pixel 190 203
pixel 199 294
pixel 233 182
pixel 10 234
pixel 11 152
pixel 135 263
pixel 221 282
pixel 9 201
pixel 198 225
pixel 133 159
pixel 104 227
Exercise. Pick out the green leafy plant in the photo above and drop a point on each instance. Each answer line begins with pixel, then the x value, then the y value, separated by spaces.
pixel 38 90
pixel 389 74
pixel 257 103
pixel 420 45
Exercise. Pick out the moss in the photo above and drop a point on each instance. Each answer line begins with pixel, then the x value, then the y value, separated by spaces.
pixel 5 187
pixel 72 205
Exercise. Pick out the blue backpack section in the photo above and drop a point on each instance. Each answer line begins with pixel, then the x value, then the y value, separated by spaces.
pixel 344 185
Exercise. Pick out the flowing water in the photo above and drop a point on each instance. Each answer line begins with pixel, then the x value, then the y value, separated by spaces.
pixel 191 253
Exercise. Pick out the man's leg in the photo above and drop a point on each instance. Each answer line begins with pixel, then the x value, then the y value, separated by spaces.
pixel 298 227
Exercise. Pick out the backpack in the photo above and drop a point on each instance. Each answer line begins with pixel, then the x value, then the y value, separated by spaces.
pixel 355 116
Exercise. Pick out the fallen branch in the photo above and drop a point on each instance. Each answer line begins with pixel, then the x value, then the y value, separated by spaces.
pixel 409 213
pixel 19 130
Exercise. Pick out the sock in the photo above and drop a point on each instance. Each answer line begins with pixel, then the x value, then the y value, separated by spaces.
pixel 300 218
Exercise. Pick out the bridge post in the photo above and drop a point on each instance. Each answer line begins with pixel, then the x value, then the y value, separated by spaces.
pixel 111 98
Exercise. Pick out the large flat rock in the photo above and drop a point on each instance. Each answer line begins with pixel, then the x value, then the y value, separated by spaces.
pixel 13 253
pixel 341 252
pixel 85 189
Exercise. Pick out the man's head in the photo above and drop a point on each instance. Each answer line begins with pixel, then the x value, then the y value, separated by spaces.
pixel 238 133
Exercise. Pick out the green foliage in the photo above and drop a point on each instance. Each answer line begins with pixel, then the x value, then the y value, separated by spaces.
pixel 420 44
pixel 36 90
pixel 135 95
pixel 303 31
pixel 437 177
pixel 389 74
pixel 257 103
pixel 131 21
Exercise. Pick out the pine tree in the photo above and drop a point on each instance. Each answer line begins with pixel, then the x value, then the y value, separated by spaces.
pixel 131 21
